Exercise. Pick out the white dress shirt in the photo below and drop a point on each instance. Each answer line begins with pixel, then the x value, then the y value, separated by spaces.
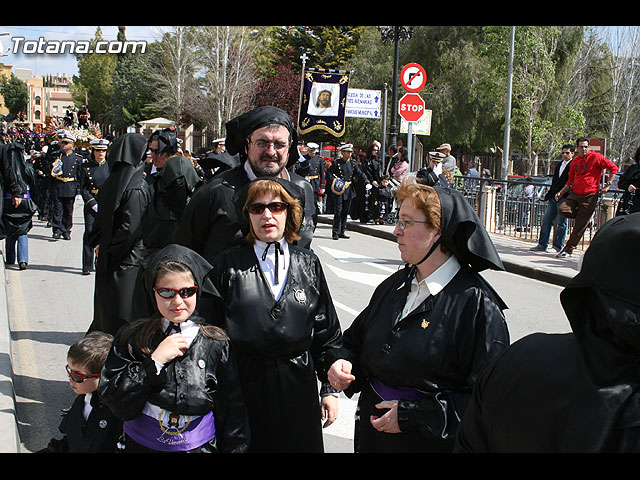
pixel 268 264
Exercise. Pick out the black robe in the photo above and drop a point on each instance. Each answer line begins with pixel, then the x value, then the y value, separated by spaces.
pixel 437 349
pixel 204 379
pixel 18 178
pixel 577 392
pixel 283 346
pixel 123 199
pixel 171 188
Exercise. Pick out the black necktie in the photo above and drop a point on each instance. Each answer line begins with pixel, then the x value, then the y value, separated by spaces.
pixel 171 329
pixel 278 249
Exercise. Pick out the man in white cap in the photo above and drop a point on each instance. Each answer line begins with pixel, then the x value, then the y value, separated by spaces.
pixel 219 145
pixel 449 161
pixel 93 173
pixel 340 177
pixel 311 167
pixel 65 173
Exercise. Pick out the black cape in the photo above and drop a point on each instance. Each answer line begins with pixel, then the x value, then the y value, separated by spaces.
pixel 123 199
pixel 575 392
pixel 19 180
pixel 171 188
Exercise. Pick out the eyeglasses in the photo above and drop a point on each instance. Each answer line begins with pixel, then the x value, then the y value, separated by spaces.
pixel 566 153
pixel 402 224
pixel 583 146
pixel 274 207
pixel 263 144
pixel 171 292
pixel 79 377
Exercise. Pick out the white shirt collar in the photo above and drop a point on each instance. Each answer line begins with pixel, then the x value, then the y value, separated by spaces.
pixel 431 285
pixel 441 277
pixel 188 329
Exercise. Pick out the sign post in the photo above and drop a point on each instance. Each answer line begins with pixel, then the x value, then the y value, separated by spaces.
pixel 411 108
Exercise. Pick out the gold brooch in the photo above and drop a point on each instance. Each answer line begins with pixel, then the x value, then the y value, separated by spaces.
pixel 425 324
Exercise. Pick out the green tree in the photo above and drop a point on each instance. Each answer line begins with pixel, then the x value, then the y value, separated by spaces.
pixel 325 46
pixel 93 86
pixel 131 82
pixel 15 94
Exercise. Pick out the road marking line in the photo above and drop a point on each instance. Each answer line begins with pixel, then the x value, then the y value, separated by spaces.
pixel 20 318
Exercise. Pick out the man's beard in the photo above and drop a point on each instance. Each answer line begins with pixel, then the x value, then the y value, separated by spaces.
pixel 271 169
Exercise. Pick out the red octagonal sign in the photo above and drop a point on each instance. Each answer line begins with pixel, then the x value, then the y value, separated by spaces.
pixel 411 107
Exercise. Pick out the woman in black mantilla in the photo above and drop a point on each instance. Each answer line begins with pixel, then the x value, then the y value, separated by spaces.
pixel 415 350
pixel 281 320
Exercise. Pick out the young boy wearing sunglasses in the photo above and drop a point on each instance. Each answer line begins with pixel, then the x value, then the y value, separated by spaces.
pixel 88 426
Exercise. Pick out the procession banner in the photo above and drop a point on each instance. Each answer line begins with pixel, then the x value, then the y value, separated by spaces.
pixel 323 101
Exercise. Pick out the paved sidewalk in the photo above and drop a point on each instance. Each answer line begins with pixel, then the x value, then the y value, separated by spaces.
pixel 515 255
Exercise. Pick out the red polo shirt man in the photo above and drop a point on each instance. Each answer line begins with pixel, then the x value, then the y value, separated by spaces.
pixel 585 175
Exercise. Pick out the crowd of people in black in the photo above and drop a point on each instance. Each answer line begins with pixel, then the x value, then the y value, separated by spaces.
pixel 214 329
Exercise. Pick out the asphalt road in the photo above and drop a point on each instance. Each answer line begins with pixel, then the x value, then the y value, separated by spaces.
pixel 51 305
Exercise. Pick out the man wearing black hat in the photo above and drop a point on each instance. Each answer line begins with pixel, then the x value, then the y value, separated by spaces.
pixel 265 140
pixel 574 392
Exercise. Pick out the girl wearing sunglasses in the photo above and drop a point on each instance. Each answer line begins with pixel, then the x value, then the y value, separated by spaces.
pixel 172 378
pixel 281 319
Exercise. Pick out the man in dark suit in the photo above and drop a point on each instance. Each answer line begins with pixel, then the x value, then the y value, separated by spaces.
pixel 560 176
pixel 65 173
pixel 311 167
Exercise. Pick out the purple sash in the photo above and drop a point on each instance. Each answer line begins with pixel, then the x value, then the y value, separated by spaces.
pixel 26 195
pixel 385 392
pixel 179 434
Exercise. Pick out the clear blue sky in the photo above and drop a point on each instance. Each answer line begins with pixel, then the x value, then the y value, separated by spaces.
pixel 45 64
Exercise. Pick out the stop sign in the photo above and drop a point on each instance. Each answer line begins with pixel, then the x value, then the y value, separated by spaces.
pixel 411 107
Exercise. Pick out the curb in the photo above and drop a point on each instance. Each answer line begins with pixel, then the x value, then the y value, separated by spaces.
pixel 8 419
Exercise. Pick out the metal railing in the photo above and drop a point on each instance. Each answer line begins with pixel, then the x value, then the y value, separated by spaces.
pixel 505 208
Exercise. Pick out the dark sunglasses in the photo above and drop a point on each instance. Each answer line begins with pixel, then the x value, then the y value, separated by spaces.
pixel 79 377
pixel 171 292
pixel 274 207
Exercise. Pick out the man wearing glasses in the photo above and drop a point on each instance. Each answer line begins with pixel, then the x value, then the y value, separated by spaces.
pixel 560 177
pixel 266 141
pixel 583 186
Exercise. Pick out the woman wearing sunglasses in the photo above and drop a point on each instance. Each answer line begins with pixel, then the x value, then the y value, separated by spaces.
pixel 280 317
pixel 172 378
pixel 415 350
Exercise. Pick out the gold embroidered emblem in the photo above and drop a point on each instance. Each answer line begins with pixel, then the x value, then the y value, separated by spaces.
pixel 425 324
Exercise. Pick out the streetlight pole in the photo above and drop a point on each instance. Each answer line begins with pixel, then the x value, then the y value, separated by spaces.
pixel 395 33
